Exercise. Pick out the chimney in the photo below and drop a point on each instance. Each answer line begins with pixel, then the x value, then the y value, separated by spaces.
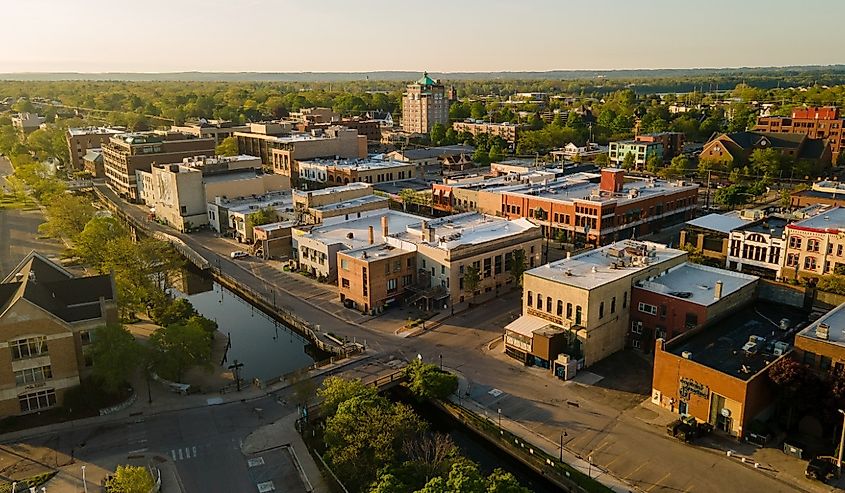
pixel 385 231
pixel 425 231
pixel 717 295
pixel 370 235
pixel 612 180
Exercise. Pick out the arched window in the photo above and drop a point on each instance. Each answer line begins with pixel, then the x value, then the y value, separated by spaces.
pixel 549 304
pixel 559 308
pixel 539 301
pixel 530 298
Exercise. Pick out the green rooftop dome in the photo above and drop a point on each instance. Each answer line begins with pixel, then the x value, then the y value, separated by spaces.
pixel 426 80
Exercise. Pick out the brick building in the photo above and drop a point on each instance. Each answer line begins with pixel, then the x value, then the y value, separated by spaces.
pixel 816 122
pixel 81 140
pixel 46 324
pixel 577 208
pixel 821 345
pixel 820 193
pixel 344 172
pixel 815 246
pixel 710 234
pixel 718 373
pixel 375 276
pixel 423 105
pixel 735 148
pixel 509 132
pixel 684 298
pixel 211 129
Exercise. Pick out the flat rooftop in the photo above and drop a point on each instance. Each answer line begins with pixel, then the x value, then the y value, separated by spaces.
pixel 233 175
pixel 351 203
pixel 720 345
pixel 770 225
pixel 354 233
pixel 470 228
pixel 528 325
pixel 831 220
pixel 75 132
pixel 723 223
pixel 276 226
pixel 433 152
pixel 394 187
pixel 356 164
pixel 835 320
pixel 332 190
pixel 607 264
pixel 697 283
pixel 245 203
pixel 375 252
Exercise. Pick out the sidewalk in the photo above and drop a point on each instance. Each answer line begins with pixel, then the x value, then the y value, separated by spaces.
pixel 551 448
pixel 69 477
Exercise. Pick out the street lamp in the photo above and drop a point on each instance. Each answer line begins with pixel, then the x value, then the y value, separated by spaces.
pixel 841 442
pixel 84 483
pixel 441 362
pixel 561 444
pixel 500 419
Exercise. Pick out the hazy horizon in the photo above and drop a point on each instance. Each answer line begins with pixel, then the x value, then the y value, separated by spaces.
pixel 100 36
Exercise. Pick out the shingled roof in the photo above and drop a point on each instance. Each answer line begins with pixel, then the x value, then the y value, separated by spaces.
pixel 55 290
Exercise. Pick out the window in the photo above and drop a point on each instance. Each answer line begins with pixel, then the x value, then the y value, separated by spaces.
pixel 809 263
pixel 27 348
pixel 392 285
pixel 691 320
pixel 646 308
pixel 559 308
pixel 85 337
pixel 613 305
pixel 601 310
pixel 344 283
pixel 635 344
pixel 813 245
pixel 33 375
pixel 792 260
pixel 578 315
pixel 569 310
pixel 410 263
pixel 487 266
pixel 663 311
pixel 794 242
pixel 397 266
pixel 344 264
pixel 636 327
pixel 539 301
pixel 625 299
pixel 407 280
pixel 530 299
pixel 549 304
pixel 37 400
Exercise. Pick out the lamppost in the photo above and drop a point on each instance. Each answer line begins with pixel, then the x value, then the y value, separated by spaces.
pixel 561 444
pixel 441 362
pixel 841 442
pixel 84 483
pixel 500 419
pixel 236 367
pixel 149 392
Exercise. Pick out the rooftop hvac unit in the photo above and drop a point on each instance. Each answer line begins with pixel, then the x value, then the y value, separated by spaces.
pixel 686 355
pixel 823 331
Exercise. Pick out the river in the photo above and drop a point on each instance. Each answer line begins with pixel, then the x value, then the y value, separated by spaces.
pixel 266 347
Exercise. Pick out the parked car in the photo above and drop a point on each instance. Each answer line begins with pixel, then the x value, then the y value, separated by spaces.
pixel 820 468
pixel 238 254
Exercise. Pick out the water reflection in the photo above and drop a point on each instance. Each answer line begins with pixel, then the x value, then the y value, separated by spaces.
pixel 266 347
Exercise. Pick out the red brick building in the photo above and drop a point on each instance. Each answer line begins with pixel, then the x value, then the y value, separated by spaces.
pixel 816 122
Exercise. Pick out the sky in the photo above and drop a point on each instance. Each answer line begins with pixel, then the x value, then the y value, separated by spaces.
pixel 434 35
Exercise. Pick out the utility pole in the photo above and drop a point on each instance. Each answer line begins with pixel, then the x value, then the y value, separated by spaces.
pixel 236 367
pixel 707 200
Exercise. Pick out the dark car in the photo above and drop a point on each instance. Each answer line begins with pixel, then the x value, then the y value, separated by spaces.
pixel 820 468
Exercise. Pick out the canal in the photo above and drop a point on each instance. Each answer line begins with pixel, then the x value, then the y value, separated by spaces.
pixel 266 347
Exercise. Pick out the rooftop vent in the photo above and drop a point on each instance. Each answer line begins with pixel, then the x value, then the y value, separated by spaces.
pixel 686 355
pixel 823 331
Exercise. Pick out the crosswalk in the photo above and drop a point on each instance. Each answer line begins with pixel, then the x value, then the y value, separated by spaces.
pixel 184 453
pixel 190 452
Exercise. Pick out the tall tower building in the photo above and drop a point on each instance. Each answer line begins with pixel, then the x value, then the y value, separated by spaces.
pixel 424 104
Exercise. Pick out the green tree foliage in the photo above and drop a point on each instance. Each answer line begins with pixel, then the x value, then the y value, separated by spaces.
pixel 477 111
pixel 481 156
pixel 116 354
pixel 464 477
pixel 227 147
pixel 472 278
pixel 542 141
pixel 518 266
pixel 768 162
pixel 67 216
pixel 496 154
pixel 266 215
pixel 179 347
pixel 654 164
pixel 437 135
pixel 175 311
pixel 459 111
pixel 427 381
pixel 628 161
pixel 336 390
pixel 130 479
pixel 90 244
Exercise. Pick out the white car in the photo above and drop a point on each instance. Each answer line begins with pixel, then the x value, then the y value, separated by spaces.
pixel 238 254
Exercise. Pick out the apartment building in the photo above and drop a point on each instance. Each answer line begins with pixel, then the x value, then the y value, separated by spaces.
pixel 371 129
pixel 640 152
pixel 759 247
pixel 261 137
pixel 815 122
pixel 447 247
pixel 342 172
pixel 210 129
pixel 349 201
pixel 587 207
pixel 81 140
pixel 230 215
pixel 92 162
pixel 509 132
pixel 178 194
pixel 375 276
pixel 683 298
pixel 588 297
pixel 815 246
pixel 315 247
pixel 125 154
pixel 315 115
pixel 27 122
pixel 424 104
pixel 46 324
pixel 735 148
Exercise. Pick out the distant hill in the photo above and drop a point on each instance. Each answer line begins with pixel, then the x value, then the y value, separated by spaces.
pixel 403 75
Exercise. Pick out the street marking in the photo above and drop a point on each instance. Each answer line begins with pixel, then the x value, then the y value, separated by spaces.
pixel 266 487
pixel 689 488
pixel 180 454
pixel 138 451
pixel 658 482
pixel 601 446
pixel 628 476
pixel 258 461
pixel 194 450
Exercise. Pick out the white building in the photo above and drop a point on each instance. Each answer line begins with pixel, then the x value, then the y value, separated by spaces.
pixel 759 247
pixel 229 216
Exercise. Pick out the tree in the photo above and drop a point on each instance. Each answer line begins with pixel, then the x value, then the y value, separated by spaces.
pixel 67 216
pixel 437 134
pixel 174 311
pixel 464 477
pixel 472 278
pixel 265 215
pixel 628 161
pixel 91 242
pixel 115 354
pixel 731 196
pixel 496 154
pixel 427 381
pixel 500 481
pixel 408 196
pixel 179 347
pixel 430 453
pixel 602 160
pixel 477 111
pixel 481 156
pixel 130 479
pixel 768 162
pixel 227 147
pixel 789 376
pixel 336 390
pixel 517 267
pixel 654 163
